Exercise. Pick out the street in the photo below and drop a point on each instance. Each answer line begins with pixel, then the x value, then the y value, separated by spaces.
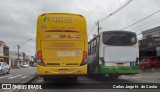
pixel 97 83
pixel 17 75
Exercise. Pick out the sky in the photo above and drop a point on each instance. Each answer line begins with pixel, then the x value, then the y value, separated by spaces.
pixel 18 18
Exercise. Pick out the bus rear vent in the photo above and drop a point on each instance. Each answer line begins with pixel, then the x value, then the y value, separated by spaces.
pixel 69 64
pixel 54 64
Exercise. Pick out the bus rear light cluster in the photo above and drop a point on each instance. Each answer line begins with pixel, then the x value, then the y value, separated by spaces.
pixel 40 59
pixel 84 60
pixel 102 60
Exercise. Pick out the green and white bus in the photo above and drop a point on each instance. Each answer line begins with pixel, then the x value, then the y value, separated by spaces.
pixel 113 53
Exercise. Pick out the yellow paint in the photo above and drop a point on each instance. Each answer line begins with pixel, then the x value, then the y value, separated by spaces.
pixel 62 38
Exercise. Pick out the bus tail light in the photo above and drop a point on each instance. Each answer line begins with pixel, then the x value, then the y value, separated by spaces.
pixel 40 59
pixel 84 61
pixel 102 60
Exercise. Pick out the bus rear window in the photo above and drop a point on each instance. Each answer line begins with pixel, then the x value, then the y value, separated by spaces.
pixel 119 38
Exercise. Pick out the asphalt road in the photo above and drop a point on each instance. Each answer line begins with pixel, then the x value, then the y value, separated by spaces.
pixel 16 75
pixel 84 84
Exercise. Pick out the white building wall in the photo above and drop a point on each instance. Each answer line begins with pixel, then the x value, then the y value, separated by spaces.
pixel 1 50
pixel 155 32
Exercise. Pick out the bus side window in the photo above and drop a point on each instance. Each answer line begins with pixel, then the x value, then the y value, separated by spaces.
pixel 89 48
pixel 94 46
pixel 97 44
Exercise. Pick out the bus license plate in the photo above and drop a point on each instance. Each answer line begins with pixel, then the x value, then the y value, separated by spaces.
pixel 62 70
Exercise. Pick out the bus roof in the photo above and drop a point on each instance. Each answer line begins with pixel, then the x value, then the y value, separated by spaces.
pixel 60 14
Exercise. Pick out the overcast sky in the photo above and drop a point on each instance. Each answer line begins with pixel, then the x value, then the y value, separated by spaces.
pixel 18 18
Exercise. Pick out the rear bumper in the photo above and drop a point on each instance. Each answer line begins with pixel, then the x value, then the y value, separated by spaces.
pixel 123 70
pixel 55 71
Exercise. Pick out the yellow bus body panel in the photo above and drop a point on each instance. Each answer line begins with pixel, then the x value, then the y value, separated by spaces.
pixel 62 39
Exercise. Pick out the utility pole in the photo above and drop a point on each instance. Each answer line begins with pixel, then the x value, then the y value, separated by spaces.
pixel 18 51
pixel 19 46
pixel 98 27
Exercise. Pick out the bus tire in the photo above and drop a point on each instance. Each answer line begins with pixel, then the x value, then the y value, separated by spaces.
pixel 74 78
pixel 45 79
pixel 89 75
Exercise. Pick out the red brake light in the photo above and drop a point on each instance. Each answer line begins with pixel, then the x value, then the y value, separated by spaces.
pixel 84 60
pixel 40 59
pixel 84 55
pixel 39 54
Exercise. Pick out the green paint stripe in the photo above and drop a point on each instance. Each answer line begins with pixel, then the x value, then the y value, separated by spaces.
pixel 114 69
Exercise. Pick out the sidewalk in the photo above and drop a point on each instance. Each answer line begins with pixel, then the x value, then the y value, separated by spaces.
pixel 149 74
pixel 145 76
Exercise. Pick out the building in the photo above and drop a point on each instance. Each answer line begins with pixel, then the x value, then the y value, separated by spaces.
pixel 154 32
pixel 150 44
pixel 4 52
pixel 23 59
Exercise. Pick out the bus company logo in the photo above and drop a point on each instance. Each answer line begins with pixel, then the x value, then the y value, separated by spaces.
pixel 62 19
pixel 46 19
pixel 133 39
pixel 77 36
pixel 70 36
pixel 46 36
pixel 43 27
pixel 55 36
pixel 62 36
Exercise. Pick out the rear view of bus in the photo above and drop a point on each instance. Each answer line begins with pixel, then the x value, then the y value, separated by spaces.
pixel 61 45
pixel 120 53
pixel 113 53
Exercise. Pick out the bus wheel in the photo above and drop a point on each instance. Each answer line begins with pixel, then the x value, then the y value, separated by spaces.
pixel 74 78
pixel 45 79
pixel 89 75
pixel 114 76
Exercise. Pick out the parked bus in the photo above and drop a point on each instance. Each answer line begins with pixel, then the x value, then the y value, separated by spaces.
pixel 61 45
pixel 113 53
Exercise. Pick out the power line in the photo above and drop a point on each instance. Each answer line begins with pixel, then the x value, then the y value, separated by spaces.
pixel 147 25
pixel 114 12
pixel 92 29
pixel 152 34
pixel 141 20
pixel 144 25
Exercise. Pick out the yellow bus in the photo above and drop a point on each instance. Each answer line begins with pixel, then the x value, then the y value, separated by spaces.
pixel 61 45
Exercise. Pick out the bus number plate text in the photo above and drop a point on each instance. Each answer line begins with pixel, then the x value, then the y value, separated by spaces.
pixel 62 70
